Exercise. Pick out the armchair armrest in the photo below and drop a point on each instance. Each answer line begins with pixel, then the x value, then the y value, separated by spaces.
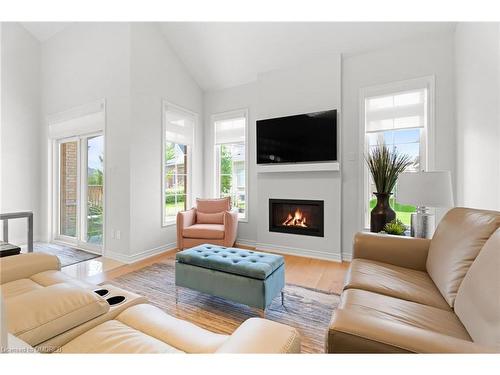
pixel 184 219
pixel 354 332
pixel 257 335
pixel 23 266
pixel 400 251
pixel 230 227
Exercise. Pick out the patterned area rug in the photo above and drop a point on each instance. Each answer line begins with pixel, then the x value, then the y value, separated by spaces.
pixel 307 310
pixel 67 255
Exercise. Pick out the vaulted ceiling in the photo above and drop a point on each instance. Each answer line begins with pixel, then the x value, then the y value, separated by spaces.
pixel 221 54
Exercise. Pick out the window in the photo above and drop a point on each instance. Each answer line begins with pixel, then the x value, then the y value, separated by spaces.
pixel 178 128
pixel 231 159
pixel 399 117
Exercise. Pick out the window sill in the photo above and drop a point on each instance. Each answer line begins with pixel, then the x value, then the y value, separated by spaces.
pixel 169 223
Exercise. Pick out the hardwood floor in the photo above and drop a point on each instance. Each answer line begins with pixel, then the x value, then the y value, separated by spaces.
pixel 306 272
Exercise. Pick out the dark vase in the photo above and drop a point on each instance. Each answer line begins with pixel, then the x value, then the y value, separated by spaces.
pixel 382 213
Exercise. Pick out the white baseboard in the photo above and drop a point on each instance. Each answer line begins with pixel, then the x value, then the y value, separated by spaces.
pixel 141 255
pixel 346 256
pixel 299 252
pixel 242 241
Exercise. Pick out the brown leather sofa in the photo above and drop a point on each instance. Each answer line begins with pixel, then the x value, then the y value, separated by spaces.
pixel 45 310
pixel 408 295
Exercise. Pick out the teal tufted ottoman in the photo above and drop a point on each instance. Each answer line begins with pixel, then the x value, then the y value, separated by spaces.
pixel 245 276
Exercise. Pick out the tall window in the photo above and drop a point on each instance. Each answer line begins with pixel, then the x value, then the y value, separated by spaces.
pixel 231 159
pixel 178 127
pixel 400 120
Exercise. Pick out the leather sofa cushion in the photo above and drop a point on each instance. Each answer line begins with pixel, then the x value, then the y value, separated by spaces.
pixel 231 260
pixel 478 298
pixel 114 336
pixel 261 336
pixel 17 287
pixel 207 231
pixel 52 277
pixel 177 333
pixel 23 266
pixel 212 206
pixel 394 281
pixel 390 309
pixel 457 241
pixel 204 218
pixel 38 315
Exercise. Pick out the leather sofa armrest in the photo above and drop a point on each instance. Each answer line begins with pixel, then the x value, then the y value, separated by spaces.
pixel 400 251
pixel 23 266
pixel 260 336
pixel 230 227
pixel 354 332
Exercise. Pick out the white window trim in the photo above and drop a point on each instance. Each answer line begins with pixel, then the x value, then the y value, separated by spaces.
pixel 165 105
pixel 54 140
pixel 227 116
pixel 386 89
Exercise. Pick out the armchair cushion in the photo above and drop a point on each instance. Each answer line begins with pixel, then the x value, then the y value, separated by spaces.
pixel 204 218
pixel 394 281
pixel 212 206
pixel 206 231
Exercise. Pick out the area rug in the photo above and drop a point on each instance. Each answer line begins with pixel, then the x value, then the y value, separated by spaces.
pixel 67 255
pixel 309 311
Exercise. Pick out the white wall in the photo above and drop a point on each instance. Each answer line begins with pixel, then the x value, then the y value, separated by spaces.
pixel 20 128
pixel 84 63
pixel 425 56
pixel 156 74
pixel 309 87
pixel 132 67
pixel 478 114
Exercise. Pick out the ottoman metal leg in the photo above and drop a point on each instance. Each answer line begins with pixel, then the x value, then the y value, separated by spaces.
pixel 176 295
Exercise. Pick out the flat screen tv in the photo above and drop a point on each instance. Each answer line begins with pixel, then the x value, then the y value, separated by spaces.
pixel 309 137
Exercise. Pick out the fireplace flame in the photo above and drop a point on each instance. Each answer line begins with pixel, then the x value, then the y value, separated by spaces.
pixel 297 220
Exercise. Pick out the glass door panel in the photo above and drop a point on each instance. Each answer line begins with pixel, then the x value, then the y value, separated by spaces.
pixel 68 189
pixel 95 192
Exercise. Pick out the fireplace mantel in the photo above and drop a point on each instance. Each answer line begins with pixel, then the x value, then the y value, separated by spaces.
pixel 298 167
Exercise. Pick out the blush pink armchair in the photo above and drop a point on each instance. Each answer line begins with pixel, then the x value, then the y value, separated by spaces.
pixel 211 221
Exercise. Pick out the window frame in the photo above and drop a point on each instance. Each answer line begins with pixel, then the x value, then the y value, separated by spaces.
pixel 428 148
pixel 63 127
pixel 166 106
pixel 221 116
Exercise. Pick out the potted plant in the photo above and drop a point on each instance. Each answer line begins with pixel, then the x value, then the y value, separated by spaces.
pixel 385 167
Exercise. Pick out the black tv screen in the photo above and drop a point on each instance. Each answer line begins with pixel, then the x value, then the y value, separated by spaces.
pixel 310 137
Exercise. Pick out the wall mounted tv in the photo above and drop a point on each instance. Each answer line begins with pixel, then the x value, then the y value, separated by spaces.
pixel 309 137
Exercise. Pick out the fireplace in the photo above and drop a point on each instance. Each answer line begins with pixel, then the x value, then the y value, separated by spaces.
pixel 296 216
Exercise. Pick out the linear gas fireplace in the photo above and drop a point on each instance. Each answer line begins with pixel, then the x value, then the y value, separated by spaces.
pixel 296 216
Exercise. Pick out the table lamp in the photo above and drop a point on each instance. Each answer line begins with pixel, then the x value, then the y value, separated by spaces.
pixel 423 190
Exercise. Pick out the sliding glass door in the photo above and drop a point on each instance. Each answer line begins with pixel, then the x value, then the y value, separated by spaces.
pixel 80 191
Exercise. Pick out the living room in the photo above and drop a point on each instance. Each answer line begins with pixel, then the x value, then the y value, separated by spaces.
pixel 221 174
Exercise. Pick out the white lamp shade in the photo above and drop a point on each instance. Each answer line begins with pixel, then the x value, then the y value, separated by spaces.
pixel 428 189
